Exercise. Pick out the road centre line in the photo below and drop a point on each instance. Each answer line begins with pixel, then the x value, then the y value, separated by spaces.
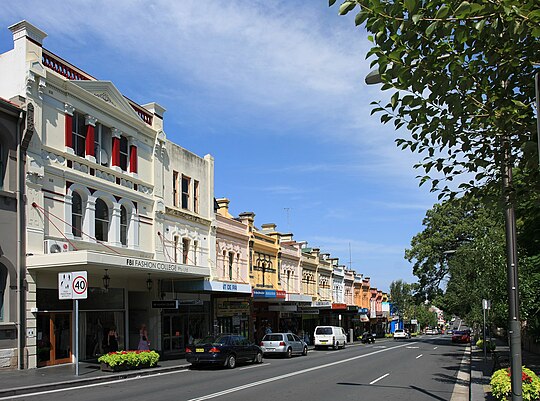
pixel 285 376
pixel 419 356
pixel 435 347
pixel 380 378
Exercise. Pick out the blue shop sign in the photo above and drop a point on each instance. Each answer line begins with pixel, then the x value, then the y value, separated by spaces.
pixel 363 311
pixel 264 293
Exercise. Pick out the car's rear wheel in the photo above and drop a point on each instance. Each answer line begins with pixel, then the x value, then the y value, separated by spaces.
pixel 344 344
pixel 289 353
pixel 230 362
pixel 258 358
pixel 304 352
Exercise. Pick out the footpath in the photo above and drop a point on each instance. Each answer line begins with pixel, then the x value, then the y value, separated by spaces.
pixel 472 382
pixel 482 368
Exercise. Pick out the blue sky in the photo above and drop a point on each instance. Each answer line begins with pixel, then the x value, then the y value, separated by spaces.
pixel 274 91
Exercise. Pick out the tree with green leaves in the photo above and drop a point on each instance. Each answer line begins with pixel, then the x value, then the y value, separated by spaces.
pixel 462 75
pixel 400 296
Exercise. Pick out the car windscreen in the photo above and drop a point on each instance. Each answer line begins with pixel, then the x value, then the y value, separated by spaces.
pixel 323 330
pixel 273 337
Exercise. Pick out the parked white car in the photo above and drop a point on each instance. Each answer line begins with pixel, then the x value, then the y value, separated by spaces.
pixel 399 333
pixel 329 336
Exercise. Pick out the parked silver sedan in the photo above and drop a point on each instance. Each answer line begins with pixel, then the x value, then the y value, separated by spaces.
pixel 285 344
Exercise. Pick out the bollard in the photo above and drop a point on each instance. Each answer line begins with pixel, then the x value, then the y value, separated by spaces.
pixel 351 335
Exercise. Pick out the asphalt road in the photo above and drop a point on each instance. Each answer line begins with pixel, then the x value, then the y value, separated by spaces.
pixel 415 369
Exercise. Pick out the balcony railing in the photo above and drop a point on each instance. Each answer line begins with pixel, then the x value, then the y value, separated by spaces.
pixel 62 67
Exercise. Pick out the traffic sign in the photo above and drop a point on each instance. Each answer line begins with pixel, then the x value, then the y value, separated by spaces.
pixel 64 286
pixel 80 285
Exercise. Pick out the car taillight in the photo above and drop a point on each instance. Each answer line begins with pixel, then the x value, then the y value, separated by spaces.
pixel 188 350
pixel 261 344
pixel 214 350
pixel 282 343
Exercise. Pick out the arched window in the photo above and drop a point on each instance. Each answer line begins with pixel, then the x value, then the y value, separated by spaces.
pixel 231 262
pixel 176 238
pixel 102 221
pixel 124 223
pixel 76 215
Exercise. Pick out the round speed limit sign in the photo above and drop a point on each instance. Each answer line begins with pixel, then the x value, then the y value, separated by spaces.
pixel 79 285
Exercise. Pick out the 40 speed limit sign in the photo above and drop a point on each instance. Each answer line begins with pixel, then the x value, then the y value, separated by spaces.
pixel 79 285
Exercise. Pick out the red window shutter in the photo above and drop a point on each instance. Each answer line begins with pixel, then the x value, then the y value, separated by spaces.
pixel 116 151
pixel 133 159
pixel 90 151
pixel 68 137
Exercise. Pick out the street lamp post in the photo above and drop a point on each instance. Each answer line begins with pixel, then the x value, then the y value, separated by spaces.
pixel 514 329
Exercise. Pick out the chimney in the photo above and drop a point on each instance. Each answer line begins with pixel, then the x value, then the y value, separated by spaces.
pixel 247 218
pixel 268 228
pixel 223 206
pixel 158 111
pixel 25 29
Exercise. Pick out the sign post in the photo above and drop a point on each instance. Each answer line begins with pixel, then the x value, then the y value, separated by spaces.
pixel 74 285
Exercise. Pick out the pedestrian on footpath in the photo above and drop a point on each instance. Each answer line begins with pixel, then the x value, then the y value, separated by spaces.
pixel 144 344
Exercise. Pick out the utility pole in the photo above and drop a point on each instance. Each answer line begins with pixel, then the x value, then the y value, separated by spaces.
pixel 514 325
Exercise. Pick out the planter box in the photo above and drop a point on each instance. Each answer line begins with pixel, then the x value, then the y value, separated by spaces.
pixel 105 367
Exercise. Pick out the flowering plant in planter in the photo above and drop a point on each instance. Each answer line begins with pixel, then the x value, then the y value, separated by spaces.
pixel 501 384
pixel 130 359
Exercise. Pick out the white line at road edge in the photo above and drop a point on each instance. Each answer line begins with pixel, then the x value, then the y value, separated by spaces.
pixel 269 380
pixel 59 390
pixel 419 356
pixel 380 378
pixel 254 366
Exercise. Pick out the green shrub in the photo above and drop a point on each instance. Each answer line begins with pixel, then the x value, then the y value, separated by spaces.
pixel 490 345
pixel 501 384
pixel 130 358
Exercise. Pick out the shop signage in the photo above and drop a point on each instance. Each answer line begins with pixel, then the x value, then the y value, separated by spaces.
pixel 307 311
pixel 170 304
pixel 226 287
pixel 414 321
pixel 269 294
pixel 352 308
pixel 364 318
pixel 282 308
pixel 321 304
pixel 363 311
pixel 153 265
pixel 339 306
pixel 229 307
pixel 190 302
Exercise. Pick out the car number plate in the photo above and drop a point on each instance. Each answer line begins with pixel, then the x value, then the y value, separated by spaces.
pixel 199 349
pixel 270 349
pixel 323 341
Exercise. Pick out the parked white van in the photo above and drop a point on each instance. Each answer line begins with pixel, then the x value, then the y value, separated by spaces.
pixel 329 336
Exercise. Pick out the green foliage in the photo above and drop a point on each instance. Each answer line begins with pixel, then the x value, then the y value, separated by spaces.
pixel 501 385
pixel 490 345
pixel 462 78
pixel 130 358
pixel 400 296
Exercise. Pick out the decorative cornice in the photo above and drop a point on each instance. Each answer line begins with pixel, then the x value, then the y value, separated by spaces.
pixel 90 120
pixel 186 216
pixel 69 109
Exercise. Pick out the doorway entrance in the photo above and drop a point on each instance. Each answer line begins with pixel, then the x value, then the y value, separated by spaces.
pixel 54 333
pixel 173 327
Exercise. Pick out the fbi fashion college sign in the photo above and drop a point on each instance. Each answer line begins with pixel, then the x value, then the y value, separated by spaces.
pixel 162 266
